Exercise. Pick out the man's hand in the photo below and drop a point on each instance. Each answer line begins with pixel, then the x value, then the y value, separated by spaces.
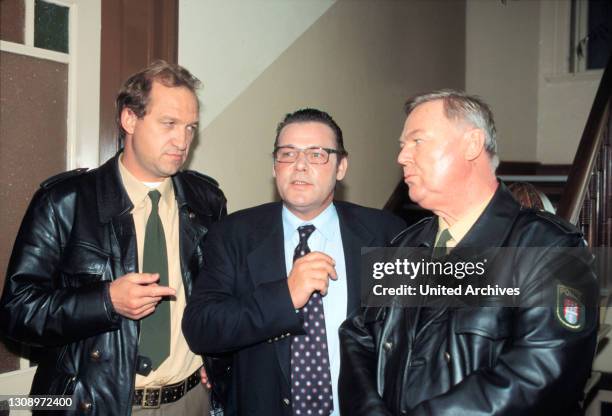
pixel 135 295
pixel 310 273
pixel 204 377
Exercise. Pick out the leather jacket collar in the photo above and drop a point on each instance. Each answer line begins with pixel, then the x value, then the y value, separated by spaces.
pixel 113 200
pixel 499 215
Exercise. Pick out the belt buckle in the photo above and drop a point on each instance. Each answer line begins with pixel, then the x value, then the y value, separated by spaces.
pixel 145 396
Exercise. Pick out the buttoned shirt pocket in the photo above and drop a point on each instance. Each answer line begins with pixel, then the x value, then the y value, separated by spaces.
pixel 84 264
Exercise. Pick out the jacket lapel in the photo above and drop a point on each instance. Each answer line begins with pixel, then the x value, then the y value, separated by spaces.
pixel 265 263
pixel 424 238
pixel 112 198
pixel 354 236
pixel 267 260
pixel 418 316
pixel 192 228
pixel 191 232
pixel 114 207
pixel 494 225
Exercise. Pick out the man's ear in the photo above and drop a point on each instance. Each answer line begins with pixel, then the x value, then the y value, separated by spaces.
pixel 342 167
pixel 128 120
pixel 273 170
pixel 475 141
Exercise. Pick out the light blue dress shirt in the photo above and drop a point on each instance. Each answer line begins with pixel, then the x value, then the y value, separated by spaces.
pixel 327 239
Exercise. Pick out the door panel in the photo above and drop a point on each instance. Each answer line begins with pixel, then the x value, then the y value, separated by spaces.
pixel 134 34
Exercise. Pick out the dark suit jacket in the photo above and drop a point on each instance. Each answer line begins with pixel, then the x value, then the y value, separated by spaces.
pixel 241 303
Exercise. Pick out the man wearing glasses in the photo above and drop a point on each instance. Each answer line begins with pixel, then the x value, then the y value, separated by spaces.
pixel 280 278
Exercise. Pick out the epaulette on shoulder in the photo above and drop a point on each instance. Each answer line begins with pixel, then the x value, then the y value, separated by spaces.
pixel 411 227
pixel 62 177
pixel 202 176
pixel 557 221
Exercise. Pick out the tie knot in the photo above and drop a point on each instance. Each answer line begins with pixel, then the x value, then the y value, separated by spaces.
pixel 155 196
pixel 440 249
pixel 305 231
pixel 445 237
pixel 302 248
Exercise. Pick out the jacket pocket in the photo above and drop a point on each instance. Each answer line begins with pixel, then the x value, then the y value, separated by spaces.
pixel 480 336
pixel 493 323
pixel 83 265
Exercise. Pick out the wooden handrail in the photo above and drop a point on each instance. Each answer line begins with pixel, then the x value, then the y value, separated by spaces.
pixel 588 149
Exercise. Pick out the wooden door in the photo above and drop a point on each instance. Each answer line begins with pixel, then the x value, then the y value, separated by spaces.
pixel 134 34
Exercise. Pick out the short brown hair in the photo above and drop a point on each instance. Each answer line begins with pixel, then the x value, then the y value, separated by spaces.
pixel 134 93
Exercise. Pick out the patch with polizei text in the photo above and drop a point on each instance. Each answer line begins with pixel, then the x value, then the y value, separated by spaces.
pixel 570 308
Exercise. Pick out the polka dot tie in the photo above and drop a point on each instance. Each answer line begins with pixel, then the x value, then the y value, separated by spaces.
pixel 310 377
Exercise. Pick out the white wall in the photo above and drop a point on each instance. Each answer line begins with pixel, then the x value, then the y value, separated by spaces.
pixel 603 360
pixel 502 67
pixel 229 43
pixel 564 99
pixel 517 58
pixel 359 60
pixel 85 73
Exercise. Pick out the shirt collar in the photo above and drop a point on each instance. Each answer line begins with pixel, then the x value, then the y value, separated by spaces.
pixel 461 227
pixel 138 191
pixel 322 222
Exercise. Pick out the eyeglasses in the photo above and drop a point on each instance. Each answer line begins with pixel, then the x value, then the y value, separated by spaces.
pixel 314 155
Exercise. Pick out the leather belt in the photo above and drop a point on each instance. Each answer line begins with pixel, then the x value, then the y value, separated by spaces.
pixel 152 397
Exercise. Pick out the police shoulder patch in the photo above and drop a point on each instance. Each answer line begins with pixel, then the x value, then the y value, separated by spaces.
pixel 570 311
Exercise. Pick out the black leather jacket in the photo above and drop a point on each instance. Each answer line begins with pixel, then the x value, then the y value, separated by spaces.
pixel 478 360
pixel 77 236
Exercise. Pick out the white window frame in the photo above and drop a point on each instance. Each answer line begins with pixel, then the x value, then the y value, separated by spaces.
pixel 580 25
pixel 556 39
pixel 83 59
pixel 83 109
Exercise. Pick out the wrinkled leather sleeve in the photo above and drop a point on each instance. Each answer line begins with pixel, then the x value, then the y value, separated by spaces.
pixel 219 320
pixel 357 385
pixel 35 307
